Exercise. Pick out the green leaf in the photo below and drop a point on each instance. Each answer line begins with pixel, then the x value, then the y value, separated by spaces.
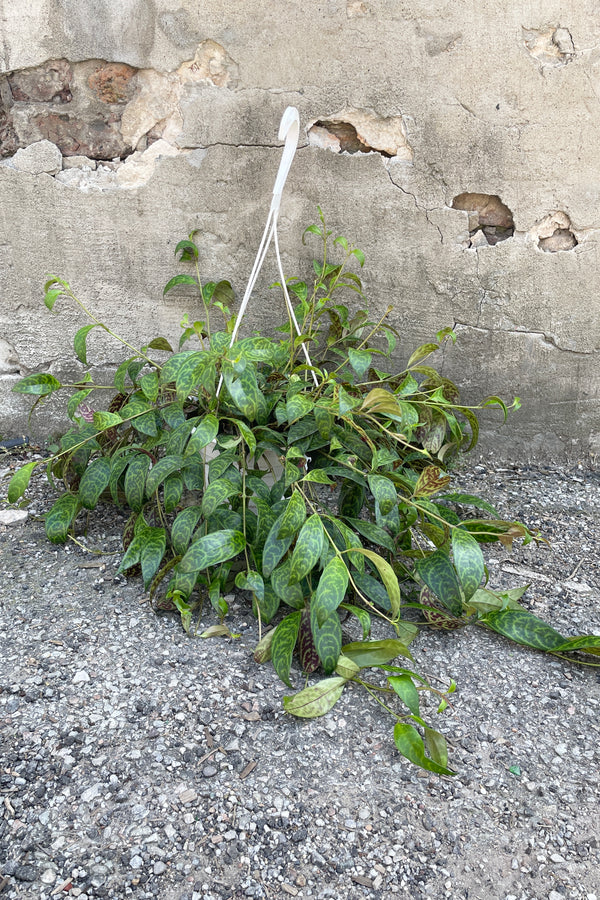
pixel 216 494
pixel 38 385
pixel 291 594
pixel 375 653
pixel 20 482
pixel 274 548
pixel 388 576
pixel 308 549
pixel 384 492
pixel 173 491
pixel 104 420
pixel 160 470
pixel 205 432
pixel 282 645
pixel 360 360
pixel 324 419
pixel 420 353
pixel 346 668
pixel 293 516
pixel 315 701
pixel 50 297
pixel 372 533
pixel 153 546
pixel 410 745
pixel 180 279
pixel 318 476
pixel 437 746
pixel 188 373
pixel 362 615
pixel 251 581
pixel 149 386
pixel 525 628
pixel 60 518
pixel 330 592
pixel 345 402
pixel 468 561
pixel 132 554
pixel 404 686
pixel 470 500
pixel 187 249
pixel 589 643
pixel 95 479
pixel 262 651
pixel 135 481
pixel 212 549
pixel 160 343
pixel 439 575
pixel 327 637
pixel 74 401
pixel 298 406
pixel 183 528
pixel 79 342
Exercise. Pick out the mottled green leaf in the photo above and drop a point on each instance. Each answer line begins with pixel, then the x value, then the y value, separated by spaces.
pixel 135 481
pixel 293 516
pixel 95 479
pixel 319 476
pixel 360 360
pixel 262 651
pixel 216 494
pixel 173 491
pixel 77 398
pixel 180 279
pixel 362 615
pixel 439 575
pixel 282 646
pixel 346 668
pixel 291 594
pixel 525 628
pixel 20 482
pixel 60 517
pixel 274 548
pixel 327 637
pixel 330 592
pixel 160 343
pixel 308 549
pixel 149 385
pixel 372 533
pixel 153 546
pixel 161 470
pixel 324 419
pixel 388 576
pixel 315 701
pixel 468 561
pixel 206 431
pixel 38 385
pixel 212 549
pixel 183 528
pixel 104 420
pixel 297 406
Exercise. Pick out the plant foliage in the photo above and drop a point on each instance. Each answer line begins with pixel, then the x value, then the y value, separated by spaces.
pixel 322 491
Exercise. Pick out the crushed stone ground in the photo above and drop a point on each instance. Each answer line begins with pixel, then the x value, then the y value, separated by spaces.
pixel 137 762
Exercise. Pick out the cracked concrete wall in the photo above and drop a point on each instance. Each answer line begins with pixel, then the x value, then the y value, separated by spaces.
pixel 455 143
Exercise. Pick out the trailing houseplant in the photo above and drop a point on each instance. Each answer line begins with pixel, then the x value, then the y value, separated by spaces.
pixel 300 470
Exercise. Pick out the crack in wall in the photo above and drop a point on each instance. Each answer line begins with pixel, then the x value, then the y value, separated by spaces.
pixel 548 339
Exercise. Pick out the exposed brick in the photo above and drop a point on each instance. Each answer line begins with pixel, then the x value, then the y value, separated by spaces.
pixel 49 82
pixel 99 139
pixel 112 83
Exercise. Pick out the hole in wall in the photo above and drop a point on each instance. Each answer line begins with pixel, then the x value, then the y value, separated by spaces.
pixel 361 131
pixel 550 45
pixel 554 233
pixel 490 220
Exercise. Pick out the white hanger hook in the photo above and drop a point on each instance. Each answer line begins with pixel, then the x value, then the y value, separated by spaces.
pixel 289 131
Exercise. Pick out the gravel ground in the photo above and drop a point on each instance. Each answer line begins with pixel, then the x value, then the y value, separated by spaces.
pixel 137 762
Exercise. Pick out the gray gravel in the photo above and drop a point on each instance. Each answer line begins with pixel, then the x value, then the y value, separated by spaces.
pixel 137 762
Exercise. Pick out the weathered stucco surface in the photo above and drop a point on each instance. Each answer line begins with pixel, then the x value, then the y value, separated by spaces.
pixel 457 144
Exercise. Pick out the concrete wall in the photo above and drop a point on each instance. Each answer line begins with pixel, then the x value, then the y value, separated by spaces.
pixel 457 144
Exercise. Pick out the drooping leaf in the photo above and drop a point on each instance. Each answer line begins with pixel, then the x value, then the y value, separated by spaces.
pixel 410 744
pixel 149 385
pixel 308 549
pixel 372 533
pixel 388 576
pixel 315 701
pixel 94 481
pixel 160 343
pixel 262 651
pixel 468 561
pixel 60 517
pixel 439 575
pixel 75 400
pixel 437 746
pixel 404 686
pixel 180 279
pixel 212 549
pixel 79 342
pixel 362 615
pixel 20 482
pixel 375 653
pixel 282 645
